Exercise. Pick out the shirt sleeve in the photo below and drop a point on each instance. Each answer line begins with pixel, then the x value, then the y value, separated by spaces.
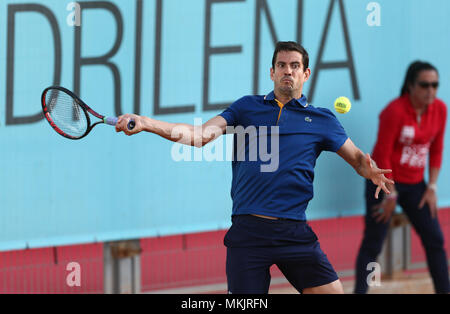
pixel 335 135
pixel 388 132
pixel 233 113
pixel 437 146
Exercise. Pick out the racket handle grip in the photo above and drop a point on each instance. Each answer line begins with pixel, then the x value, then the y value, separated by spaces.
pixel 113 121
pixel 131 125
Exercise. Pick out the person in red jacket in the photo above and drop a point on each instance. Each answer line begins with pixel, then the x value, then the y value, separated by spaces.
pixel 411 130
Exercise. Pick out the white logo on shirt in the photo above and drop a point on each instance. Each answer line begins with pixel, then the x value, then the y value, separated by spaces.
pixel 415 155
pixel 407 135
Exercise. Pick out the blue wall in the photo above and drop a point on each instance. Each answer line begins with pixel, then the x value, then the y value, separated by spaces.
pixel 54 191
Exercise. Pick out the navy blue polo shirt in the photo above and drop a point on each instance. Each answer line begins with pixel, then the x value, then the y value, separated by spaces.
pixel 302 132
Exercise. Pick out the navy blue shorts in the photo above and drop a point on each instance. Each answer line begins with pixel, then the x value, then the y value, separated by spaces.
pixel 254 244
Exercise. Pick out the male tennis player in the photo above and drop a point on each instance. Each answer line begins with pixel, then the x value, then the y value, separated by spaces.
pixel 269 222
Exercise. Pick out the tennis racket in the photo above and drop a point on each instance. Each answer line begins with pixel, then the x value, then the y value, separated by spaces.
pixel 69 115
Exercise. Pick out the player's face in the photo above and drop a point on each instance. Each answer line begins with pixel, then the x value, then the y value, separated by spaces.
pixel 424 90
pixel 288 75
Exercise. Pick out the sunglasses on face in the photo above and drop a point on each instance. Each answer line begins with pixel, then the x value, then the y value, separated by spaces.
pixel 426 85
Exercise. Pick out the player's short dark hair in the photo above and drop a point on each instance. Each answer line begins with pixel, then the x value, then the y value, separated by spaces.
pixel 413 72
pixel 291 46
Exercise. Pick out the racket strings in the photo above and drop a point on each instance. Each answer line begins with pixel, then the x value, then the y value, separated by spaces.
pixel 66 113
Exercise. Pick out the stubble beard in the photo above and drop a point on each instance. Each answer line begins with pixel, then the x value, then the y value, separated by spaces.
pixel 288 91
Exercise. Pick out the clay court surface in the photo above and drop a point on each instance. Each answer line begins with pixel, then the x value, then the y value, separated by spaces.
pixel 404 284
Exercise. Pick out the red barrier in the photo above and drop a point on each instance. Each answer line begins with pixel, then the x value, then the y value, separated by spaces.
pixel 174 261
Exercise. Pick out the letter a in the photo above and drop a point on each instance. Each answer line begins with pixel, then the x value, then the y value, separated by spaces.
pixel 74 18
pixel 374 18
pixel 373 279
pixel 74 277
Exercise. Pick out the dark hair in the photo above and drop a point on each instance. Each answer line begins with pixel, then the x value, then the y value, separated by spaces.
pixel 413 72
pixel 290 46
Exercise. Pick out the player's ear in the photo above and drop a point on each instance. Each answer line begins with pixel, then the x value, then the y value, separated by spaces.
pixel 271 74
pixel 307 74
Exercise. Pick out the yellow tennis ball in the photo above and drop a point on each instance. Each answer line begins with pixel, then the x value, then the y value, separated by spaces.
pixel 342 105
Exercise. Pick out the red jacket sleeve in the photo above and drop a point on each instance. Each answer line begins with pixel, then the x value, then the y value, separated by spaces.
pixel 437 146
pixel 388 133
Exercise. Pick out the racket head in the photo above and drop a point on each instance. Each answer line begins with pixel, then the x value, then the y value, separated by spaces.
pixel 66 113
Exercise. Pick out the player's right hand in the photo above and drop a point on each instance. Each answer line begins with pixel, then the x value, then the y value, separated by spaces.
pixel 122 124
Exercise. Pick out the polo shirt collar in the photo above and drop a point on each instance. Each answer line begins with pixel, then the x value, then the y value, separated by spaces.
pixel 302 101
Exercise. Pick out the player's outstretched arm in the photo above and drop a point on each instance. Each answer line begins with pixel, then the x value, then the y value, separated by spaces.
pixel 365 166
pixel 198 135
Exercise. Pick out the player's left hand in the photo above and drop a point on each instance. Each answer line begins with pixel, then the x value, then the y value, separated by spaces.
pixel 430 198
pixel 377 176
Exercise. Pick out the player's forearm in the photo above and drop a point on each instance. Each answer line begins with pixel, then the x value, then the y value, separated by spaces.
pixel 361 166
pixel 175 132
pixel 356 158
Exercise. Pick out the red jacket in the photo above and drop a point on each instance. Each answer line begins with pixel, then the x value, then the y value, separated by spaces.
pixel 404 142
